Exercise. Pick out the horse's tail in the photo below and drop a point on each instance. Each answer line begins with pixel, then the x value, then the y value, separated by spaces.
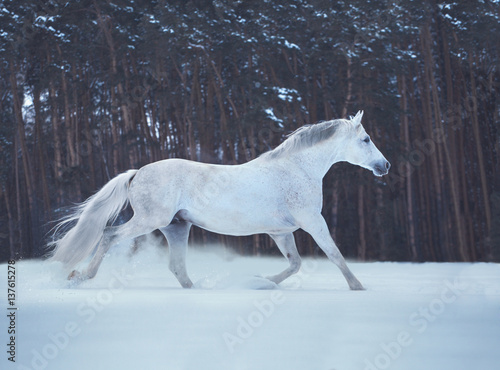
pixel 91 218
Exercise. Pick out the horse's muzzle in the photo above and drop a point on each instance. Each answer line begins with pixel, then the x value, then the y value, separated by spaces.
pixel 381 168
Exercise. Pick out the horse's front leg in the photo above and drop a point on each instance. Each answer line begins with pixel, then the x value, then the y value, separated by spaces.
pixel 316 226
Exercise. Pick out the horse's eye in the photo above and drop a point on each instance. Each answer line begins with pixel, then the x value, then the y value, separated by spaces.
pixel 366 140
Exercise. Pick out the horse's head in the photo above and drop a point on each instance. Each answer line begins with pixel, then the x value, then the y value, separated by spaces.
pixel 361 151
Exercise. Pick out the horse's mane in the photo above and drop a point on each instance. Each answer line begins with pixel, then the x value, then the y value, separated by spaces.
pixel 307 136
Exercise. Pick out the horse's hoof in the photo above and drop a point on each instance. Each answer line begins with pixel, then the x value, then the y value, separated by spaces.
pixel 75 276
pixel 357 287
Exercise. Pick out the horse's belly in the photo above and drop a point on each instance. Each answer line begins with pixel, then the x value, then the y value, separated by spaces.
pixel 238 223
pixel 240 229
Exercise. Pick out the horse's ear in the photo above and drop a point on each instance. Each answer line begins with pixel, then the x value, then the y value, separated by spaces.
pixel 357 118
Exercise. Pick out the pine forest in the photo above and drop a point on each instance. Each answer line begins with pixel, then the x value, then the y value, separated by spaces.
pixel 92 88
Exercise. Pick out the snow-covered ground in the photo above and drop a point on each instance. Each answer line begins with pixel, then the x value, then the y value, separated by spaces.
pixel 134 315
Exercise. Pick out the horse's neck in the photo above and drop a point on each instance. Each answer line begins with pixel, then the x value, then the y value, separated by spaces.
pixel 317 159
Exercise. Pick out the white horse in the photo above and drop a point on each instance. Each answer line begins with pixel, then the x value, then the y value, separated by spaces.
pixel 276 194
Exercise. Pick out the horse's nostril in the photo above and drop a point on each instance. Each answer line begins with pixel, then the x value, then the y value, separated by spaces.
pixel 387 165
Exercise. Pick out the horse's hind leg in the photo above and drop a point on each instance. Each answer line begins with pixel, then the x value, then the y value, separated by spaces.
pixel 112 235
pixel 177 234
pixel 286 244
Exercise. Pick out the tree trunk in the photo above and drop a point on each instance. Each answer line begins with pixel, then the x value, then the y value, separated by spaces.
pixel 408 175
pixel 362 222
pixel 26 249
pixel 40 150
pixel 479 150
pixel 14 253
pixel 56 136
